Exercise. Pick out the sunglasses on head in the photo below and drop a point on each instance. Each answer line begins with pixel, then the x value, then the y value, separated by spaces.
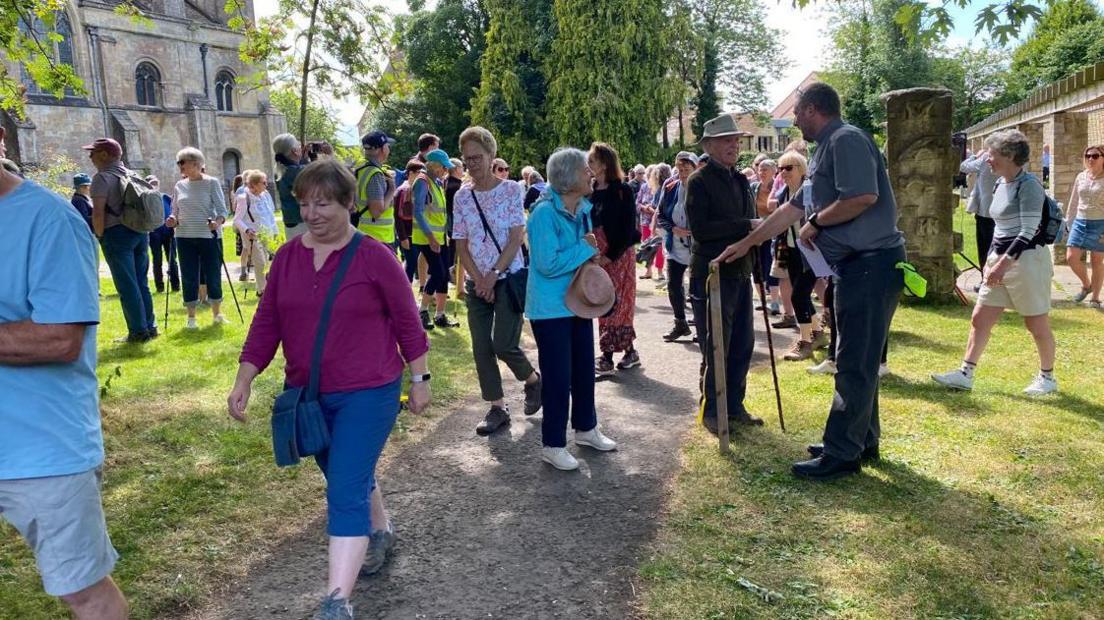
pixel 1093 155
pixel 786 168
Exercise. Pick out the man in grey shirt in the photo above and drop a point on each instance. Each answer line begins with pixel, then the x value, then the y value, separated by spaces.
pixel 980 199
pixel 852 217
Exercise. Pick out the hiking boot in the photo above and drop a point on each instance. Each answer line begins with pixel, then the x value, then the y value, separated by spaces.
pixel 820 340
pixel 603 366
pixel 595 439
pixel 444 322
pixel 787 321
pixel 955 379
pixel 801 350
pixel 533 396
pixel 559 458
pixel 678 331
pixel 380 544
pixel 335 607
pixel 427 323
pixel 1041 385
pixel 827 367
pixel 630 360
pixel 495 419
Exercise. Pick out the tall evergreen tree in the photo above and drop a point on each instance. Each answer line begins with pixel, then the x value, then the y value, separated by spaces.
pixel 607 75
pixel 707 102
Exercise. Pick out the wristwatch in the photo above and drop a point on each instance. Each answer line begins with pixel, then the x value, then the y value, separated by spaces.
pixel 423 378
pixel 813 220
pixel 496 271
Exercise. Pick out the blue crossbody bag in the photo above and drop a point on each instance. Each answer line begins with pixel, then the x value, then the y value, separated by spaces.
pixel 298 424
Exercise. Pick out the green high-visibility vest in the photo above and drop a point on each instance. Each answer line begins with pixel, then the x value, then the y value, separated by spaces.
pixel 382 228
pixel 434 213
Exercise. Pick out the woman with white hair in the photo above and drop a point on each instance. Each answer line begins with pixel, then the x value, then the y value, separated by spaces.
pixel 198 213
pixel 561 240
pixel 255 220
pixel 1018 269
pixel 289 163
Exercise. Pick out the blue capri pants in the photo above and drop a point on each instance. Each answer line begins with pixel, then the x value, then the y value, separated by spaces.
pixel 359 423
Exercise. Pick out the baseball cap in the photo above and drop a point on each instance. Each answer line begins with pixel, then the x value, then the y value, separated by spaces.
pixel 376 139
pixel 440 157
pixel 687 156
pixel 107 145
pixel 80 179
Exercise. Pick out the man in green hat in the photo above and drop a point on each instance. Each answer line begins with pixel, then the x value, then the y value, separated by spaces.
pixel 720 210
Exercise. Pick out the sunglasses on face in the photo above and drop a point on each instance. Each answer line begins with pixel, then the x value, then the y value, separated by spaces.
pixel 181 162
pixel 1093 155
pixel 785 168
pixel 507 169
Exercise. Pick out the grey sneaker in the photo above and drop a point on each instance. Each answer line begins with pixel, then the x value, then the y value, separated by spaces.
pixel 533 396
pixel 1080 296
pixel 335 608
pixel 380 544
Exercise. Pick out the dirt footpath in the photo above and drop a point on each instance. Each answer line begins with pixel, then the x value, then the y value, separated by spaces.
pixel 487 530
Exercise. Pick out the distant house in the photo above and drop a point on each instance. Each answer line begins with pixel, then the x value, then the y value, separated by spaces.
pixel 785 108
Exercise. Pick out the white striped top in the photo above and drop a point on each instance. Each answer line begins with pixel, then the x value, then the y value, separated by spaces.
pixel 194 202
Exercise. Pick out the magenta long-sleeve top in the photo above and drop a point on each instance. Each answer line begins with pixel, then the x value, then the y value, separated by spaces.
pixel 374 324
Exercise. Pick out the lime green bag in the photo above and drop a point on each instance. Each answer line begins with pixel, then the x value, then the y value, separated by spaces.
pixel 915 284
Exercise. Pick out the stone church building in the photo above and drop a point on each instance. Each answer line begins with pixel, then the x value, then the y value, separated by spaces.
pixel 154 88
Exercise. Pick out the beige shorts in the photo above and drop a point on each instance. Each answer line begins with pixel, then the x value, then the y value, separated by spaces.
pixel 1026 287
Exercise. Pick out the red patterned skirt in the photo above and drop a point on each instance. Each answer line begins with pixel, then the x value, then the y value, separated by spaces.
pixel 616 332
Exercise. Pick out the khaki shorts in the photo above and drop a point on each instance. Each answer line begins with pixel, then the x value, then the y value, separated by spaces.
pixel 1026 287
pixel 62 519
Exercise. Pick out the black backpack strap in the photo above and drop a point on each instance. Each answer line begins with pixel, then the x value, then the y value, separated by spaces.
pixel 324 321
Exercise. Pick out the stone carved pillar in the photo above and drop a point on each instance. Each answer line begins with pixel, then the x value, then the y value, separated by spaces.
pixel 1034 134
pixel 922 165
pixel 1067 133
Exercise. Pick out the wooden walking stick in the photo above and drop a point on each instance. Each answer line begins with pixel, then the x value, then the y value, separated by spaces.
pixel 770 340
pixel 716 335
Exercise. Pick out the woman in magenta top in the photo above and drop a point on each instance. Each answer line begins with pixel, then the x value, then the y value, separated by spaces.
pixel 374 331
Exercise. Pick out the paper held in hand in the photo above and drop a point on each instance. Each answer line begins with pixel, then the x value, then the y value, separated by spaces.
pixel 816 260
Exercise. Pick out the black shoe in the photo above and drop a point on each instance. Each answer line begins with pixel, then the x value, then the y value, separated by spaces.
pixel 427 323
pixel 868 454
pixel 495 419
pixel 135 338
pixel 160 288
pixel 443 321
pixel 153 333
pixel 533 396
pixel 678 331
pixel 710 424
pixel 825 467
pixel 175 288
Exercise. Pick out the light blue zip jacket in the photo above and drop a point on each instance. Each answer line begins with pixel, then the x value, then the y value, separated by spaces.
pixel 556 249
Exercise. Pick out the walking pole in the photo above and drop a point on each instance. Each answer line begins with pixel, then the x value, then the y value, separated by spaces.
pixel 770 339
pixel 226 270
pixel 172 253
pixel 720 375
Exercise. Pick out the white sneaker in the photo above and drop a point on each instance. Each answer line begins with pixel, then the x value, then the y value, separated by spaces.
pixel 559 458
pixel 595 439
pixel 1041 385
pixel 955 379
pixel 883 370
pixel 827 367
pixel 191 324
pixel 220 319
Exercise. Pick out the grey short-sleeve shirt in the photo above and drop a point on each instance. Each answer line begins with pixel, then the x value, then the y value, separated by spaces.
pixel 846 164
pixel 107 184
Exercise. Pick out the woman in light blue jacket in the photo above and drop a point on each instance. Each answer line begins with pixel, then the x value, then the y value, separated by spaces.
pixel 560 241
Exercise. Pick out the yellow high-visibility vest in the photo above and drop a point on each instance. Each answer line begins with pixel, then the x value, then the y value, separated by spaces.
pixel 434 213
pixel 382 228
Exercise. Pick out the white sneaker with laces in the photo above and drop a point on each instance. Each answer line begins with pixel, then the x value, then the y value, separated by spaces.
pixel 191 324
pixel 883 370
pixel 559 458
pixel 595 439
pixel 954 379
pixel 220 319
pixel 1041 385
pixel 827 367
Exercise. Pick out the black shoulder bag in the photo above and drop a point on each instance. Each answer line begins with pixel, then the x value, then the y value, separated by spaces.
pixel 516 281
pixel 298 425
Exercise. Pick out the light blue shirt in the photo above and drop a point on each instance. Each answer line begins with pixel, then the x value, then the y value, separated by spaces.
pixel 556 249
pixel 49 414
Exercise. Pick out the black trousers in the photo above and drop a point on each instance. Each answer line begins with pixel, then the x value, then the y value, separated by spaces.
pixel 676 289
pixel 830 304
pixel 867 290
pixel 162 246
pixel 984 227
pixel 738 337
pixel 802 282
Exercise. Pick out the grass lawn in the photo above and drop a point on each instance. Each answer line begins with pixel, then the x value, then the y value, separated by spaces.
pixel 192 497
pixel 986 505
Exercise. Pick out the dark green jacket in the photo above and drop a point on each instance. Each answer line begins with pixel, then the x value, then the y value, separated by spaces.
pixel 720 208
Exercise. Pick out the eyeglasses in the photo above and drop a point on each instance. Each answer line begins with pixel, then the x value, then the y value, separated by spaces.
pixel 786 168
pixel 181 162
pixel 1093 155
pixel 506 169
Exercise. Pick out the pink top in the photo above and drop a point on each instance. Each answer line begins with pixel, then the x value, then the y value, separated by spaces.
pixel 374 318
pixel 504 209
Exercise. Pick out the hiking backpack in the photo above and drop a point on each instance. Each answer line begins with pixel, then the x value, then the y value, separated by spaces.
pixel 143 210
pixel 1053 223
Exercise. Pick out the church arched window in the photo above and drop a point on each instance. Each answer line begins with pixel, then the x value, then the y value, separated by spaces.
pixel 147 84
pixel 60 50
pixel 224 91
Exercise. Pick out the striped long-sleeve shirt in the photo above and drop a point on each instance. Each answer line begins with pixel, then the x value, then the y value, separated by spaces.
pixel 1017 209
pixel 194 202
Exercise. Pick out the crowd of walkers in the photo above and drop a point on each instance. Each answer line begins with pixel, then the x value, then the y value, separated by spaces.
pixel 560 249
